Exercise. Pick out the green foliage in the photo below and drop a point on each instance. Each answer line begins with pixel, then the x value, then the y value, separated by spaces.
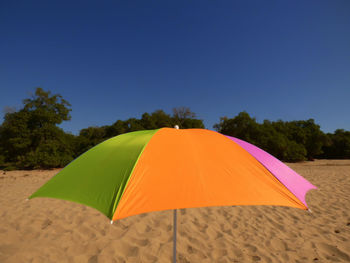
pixel 158 119
pixel 46 108
pixel 294 152
pixel 305 133
pixel 290 141
pixel 91 136
pixel 338 145
pixel 242 126
pixel 30 137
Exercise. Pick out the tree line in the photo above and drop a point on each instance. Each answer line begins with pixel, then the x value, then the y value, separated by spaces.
pixel 30 137
pixel 288 140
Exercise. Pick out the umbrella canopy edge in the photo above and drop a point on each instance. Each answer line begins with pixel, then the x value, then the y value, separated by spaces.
pixel 97 176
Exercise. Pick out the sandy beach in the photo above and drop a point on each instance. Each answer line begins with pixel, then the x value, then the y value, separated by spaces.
pixel 49 230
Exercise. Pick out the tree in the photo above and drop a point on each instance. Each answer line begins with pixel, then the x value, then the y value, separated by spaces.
pixel 47 108
pixel 338 145
pixel 183 117
pixel 276 138
pixel 30 137
pixel 315 138
pixel 91 136
pixel 241 126
pixel 306 133
pixel 161 119
pixel 119 127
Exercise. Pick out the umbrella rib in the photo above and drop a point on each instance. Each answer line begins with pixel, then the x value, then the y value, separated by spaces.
pixel 122 188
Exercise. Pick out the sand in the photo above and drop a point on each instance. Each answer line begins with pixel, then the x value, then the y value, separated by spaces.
pixel 49 230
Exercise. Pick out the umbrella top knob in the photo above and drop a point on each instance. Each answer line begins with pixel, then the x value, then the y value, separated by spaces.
pixel 176 127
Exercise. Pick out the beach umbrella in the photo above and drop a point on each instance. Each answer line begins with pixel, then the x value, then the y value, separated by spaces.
pixel 153 170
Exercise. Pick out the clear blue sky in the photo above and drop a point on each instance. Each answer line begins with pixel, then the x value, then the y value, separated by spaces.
pixel 112 60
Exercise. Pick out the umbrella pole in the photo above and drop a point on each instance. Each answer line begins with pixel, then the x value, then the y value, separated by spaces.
pixel 174 236
pixel 175 224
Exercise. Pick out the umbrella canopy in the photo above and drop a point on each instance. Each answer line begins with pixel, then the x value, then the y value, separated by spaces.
pixel 162 169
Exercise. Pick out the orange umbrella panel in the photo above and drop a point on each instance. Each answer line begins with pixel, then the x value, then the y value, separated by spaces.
pixel 196 168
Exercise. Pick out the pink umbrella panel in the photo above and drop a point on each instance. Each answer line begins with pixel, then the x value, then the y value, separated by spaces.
pixel 298 185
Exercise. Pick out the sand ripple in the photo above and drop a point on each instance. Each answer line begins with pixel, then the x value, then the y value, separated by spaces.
pixel 48 230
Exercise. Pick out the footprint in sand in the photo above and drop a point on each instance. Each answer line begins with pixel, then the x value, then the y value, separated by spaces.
pixel 250 248
pixel 190 249
pixel 46 223
pixel 256 258
pixel 93 259
pixel 142 242
pixel 182 258
pixel 278 244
